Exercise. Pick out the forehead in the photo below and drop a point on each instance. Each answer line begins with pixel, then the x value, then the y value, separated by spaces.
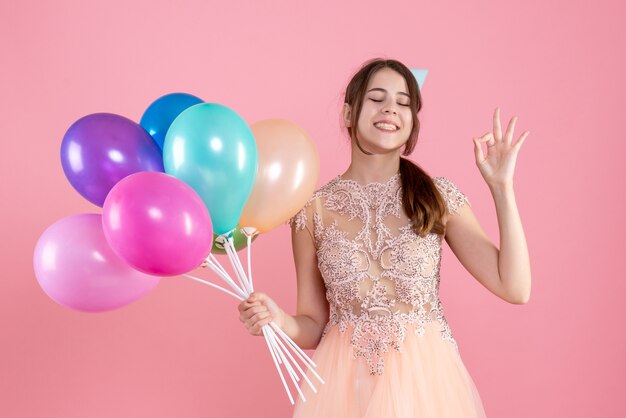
pixel 388 79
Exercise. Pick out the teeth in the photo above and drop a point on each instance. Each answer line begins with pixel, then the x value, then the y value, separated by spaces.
pixel 386 126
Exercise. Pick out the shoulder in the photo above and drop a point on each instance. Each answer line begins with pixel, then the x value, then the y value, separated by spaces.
pixel 451 193
pixel 303 216
pixel 325 190
pixel 444 183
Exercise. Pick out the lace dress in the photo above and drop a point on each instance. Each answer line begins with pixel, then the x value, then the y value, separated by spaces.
pixel 387 350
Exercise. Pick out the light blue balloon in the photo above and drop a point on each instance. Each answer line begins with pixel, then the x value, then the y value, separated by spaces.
pixel 161 113
pixel 211 148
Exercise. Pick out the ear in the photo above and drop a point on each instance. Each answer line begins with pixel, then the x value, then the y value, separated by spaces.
pixel 346 114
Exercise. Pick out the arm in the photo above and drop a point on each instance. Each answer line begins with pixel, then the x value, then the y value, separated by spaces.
pixel 306 326
pixel 505 272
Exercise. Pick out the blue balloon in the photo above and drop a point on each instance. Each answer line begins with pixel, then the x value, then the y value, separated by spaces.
pixel 162 112
pixel 212 149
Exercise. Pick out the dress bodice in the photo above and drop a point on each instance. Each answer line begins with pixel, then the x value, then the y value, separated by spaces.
pixel 380 276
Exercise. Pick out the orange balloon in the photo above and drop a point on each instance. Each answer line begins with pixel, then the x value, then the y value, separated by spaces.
pixel 286 177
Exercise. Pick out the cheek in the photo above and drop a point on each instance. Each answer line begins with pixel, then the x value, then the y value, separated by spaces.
pixel 408 121
pixel 364 121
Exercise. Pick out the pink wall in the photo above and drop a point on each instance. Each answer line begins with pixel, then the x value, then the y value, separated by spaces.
pixel 181 350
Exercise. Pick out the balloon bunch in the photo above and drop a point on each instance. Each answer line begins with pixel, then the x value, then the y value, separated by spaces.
pixel 191 179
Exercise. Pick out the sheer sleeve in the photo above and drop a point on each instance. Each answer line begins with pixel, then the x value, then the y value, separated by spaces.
pixel 303 220
pixel 453 196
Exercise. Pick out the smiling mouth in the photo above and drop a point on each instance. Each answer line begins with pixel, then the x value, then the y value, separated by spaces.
pixel 386 127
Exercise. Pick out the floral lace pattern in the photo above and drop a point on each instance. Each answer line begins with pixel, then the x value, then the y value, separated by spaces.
pixel 380 276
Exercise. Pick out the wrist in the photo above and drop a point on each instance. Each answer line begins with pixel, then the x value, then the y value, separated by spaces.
pixel 501 188
pixel 281 319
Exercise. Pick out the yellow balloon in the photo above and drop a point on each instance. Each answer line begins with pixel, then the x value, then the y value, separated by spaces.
pixel 286 176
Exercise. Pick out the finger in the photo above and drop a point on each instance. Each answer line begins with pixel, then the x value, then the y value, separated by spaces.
pixel 261 324
pixel 253 311
pixel 260 316
pixel 478 151
pixel 497 128
pixel 248 305
pixel 256 328
pixel 521 140
pixel 488 139
pixel 247 315
pixel 256 297
pixel 508 136
pixel 245 305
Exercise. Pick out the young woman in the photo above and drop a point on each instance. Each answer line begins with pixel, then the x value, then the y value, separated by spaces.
pixel 367 249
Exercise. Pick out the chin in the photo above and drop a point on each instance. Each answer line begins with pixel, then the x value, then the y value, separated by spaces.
pixel 378 149
pixel 382 145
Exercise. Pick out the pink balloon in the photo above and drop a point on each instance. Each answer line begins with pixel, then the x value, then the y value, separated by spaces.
pixel 157 224
pixel 76 267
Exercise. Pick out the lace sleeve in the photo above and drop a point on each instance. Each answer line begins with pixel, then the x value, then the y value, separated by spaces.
pixel 303 220
pixel 454 197
pixel 299 220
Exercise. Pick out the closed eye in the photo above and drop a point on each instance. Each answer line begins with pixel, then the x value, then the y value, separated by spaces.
pixel 401 104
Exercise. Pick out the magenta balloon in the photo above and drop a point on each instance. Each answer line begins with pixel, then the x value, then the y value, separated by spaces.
pixel 157 224
pixel 76 267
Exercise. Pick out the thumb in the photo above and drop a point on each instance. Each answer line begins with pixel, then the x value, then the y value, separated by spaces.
pixel 256 297
pixel 478 151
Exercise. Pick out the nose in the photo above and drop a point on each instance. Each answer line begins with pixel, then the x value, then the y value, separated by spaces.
pixel 390 109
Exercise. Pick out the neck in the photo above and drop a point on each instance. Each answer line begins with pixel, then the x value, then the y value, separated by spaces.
pixel 376 168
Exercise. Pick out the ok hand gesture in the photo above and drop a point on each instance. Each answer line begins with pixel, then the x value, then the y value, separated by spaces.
pixel 498 166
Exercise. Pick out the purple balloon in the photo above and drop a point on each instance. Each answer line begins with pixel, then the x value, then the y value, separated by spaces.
pixel 157 224
pixel 76 267
pixel 99 150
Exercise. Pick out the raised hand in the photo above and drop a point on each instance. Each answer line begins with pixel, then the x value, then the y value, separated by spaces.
pixel 498 166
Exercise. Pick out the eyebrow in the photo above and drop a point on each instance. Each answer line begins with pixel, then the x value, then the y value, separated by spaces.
pixel 385 91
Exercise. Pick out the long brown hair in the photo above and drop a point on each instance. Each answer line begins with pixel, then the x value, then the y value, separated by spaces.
pixel 422 202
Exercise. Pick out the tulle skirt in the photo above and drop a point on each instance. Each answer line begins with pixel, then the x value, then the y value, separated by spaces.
pixel 427 379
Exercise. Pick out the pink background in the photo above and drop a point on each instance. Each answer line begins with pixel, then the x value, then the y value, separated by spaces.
pixel 181 350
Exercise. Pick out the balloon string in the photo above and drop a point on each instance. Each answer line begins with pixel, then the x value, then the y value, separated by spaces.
pixel 294 347
pixel 276 362
pixel 238 265
pixel 212 285
pixel 242 286
pixel 219 270
pixel 249 261
pixel 234 266
pixel 217 264
pixel 234 260
pixel 286 351
pixel 292 374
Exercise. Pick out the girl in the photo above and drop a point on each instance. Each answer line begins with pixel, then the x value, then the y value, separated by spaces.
pixel 367 250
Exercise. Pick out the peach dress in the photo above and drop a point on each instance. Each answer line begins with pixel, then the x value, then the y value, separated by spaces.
pixel 387 350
